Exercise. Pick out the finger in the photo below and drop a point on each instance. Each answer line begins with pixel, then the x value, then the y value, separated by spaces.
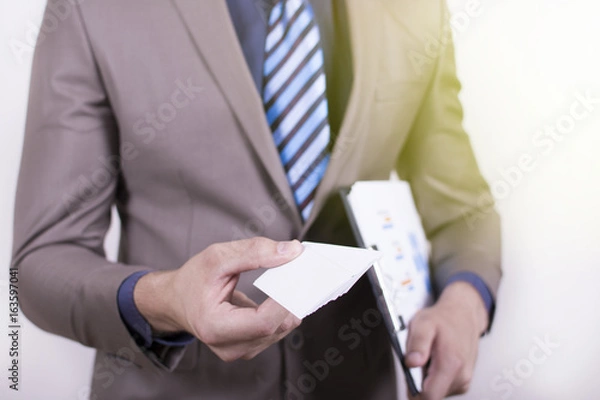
pixel 247 324
pixel 441 374
pixel 461 385
pixel 421 334
pixel 240 299
pixel 290 323
pixel 267 342
pixel 249 254
pixel 248 349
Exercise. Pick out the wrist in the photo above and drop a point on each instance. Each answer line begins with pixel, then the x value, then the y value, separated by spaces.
pixel 153 297
pixel 464 296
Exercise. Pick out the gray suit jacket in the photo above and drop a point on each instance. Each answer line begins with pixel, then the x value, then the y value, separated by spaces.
pixel 148 104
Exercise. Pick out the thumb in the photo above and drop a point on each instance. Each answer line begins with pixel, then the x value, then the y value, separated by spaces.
pixel 421 334
pixel 259 252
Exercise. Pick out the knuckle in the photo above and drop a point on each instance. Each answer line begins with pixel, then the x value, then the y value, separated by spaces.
pixel 454 362
pixel 260 246
pixel 249 356
pixel 257 243
pixel 268 327
pixel 296 323
pixel 217 257
pixel 213 253
pixel 229 356
pixel 463 389
pixel 260 241
pixel 464 380
pixel 285 326
pixel 457 364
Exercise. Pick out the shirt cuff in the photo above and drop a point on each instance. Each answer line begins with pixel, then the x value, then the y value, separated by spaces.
pixel 479 285
pixel 137 325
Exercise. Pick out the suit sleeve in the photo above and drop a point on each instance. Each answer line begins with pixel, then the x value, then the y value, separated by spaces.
pixel 67 185
pixel 453 198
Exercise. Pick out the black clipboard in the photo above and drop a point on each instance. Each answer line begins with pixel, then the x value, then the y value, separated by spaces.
pixel 383 304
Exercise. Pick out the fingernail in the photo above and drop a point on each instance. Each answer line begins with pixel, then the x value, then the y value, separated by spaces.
pixel 288 248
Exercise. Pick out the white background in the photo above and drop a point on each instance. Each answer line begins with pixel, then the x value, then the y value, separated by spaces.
pixel 522 64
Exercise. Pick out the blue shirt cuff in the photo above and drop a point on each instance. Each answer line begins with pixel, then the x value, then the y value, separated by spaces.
pixel 137 325
pixel 479 285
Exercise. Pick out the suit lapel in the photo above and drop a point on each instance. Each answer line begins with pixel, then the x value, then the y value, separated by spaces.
pixel 364 32
pixel 210 27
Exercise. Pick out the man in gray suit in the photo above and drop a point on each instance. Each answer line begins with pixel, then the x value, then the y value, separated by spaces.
pixel 219 129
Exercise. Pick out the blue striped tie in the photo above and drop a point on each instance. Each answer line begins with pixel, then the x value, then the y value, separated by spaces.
pixel 295 98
